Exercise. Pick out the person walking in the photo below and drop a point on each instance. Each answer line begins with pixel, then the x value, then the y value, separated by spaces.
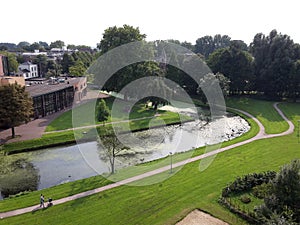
pixel 42 200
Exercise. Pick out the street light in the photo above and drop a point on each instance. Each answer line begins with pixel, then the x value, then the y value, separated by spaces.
pixel 171 171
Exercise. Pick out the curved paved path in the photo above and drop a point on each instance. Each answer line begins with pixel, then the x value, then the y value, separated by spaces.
pixel 260 135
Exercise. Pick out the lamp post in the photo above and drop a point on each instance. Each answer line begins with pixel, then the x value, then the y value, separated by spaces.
pixel 171 171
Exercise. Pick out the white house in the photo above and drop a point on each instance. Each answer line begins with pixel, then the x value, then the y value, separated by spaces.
pixel 29 70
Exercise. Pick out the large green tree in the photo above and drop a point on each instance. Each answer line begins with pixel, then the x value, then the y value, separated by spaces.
pixel 16 106
pixel 57 44
pixel 236 64
pixel 116 36
pixel 102 111
pixel 275 56
pixel 208 44
pixel 78 69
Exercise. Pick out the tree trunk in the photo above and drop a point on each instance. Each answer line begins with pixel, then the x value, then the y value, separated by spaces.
pixel 113 165
pixel 13 135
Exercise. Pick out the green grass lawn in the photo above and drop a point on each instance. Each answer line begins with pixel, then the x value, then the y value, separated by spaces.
pixel 169 201
pixel 83 115
pixel 263 111
pixel 57 192
pixel 71 136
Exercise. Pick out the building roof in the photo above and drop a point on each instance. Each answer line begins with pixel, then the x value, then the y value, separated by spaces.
pixel 25 71
pixel 27 63
pixel 38 88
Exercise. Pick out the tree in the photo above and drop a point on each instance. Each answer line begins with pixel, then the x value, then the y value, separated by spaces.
pixel 42 63
pixel 294 81
pixel 23 44
pixel 12 61
pixel 102 111
pixel 116 36
pixel 44 45
pixel 109 147
pixel 208 44
pixel 284 195
pixel 209 80
pixel 16 106
pixel 57 44
pixel 78 69
pixel 67 62
pixel 54 69
pixel 236 64
pixel 274 57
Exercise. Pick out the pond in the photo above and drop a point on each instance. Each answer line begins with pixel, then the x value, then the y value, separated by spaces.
pixel 68 163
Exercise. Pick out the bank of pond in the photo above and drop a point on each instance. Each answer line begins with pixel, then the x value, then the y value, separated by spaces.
pixel 53 166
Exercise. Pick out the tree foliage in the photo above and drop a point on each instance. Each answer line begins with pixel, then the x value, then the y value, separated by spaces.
pixel 57 44
pixel 208 44
pixel 109 147
pixel 275 56
pixel 236 64
pixel 117 36
pixel 114 37
pixel 102 111
pixel 12 61
pixel 16 106
pixel 284 195
pixel 208 81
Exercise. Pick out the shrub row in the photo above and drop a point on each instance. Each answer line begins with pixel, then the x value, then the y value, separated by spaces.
pixel 246 183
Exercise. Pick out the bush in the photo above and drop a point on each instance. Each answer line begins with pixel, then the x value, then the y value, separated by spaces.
pixel 245 199
pixel 22 176
pixel 261 191
pixel 246 183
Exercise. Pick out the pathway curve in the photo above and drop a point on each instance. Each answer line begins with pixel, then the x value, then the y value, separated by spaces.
pixel 260 135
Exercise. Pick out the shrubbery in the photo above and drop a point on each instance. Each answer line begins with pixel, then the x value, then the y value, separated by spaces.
pixel 21 176
pixel 246 183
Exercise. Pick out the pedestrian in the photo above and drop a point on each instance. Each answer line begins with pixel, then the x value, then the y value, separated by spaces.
pixel 42 200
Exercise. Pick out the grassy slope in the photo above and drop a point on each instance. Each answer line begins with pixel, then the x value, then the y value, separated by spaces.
pixel 169 201
pixel 64 190
pixel 262 110
pixel 80 113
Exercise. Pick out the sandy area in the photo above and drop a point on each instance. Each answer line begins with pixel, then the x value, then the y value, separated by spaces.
pixel 197 217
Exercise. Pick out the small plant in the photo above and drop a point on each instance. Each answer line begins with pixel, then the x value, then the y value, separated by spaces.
pixel 245 199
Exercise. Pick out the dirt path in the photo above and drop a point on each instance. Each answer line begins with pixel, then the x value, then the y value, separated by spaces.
pixel 261 135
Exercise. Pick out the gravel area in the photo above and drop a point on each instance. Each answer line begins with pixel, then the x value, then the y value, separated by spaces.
pixel 198 217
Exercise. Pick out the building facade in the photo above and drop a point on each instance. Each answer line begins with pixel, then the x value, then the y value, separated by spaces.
pixel 28 70
pixel 55 94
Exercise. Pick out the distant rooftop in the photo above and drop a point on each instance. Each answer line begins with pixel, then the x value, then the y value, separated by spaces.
pixel 37 88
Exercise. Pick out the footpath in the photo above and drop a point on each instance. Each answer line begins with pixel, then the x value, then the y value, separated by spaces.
pixel 260 135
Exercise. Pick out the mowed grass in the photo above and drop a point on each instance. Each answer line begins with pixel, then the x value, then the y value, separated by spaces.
pixel 84 115
pixel 170 200
pixel 263 111
pixel 64 190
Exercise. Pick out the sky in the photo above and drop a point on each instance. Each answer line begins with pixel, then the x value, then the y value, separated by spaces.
pixel 83 22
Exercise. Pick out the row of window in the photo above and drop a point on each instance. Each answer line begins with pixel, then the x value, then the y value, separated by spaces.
pixel 33 68
pixel 31 74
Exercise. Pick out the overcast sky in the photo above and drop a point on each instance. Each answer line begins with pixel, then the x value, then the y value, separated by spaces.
pixel 83 22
